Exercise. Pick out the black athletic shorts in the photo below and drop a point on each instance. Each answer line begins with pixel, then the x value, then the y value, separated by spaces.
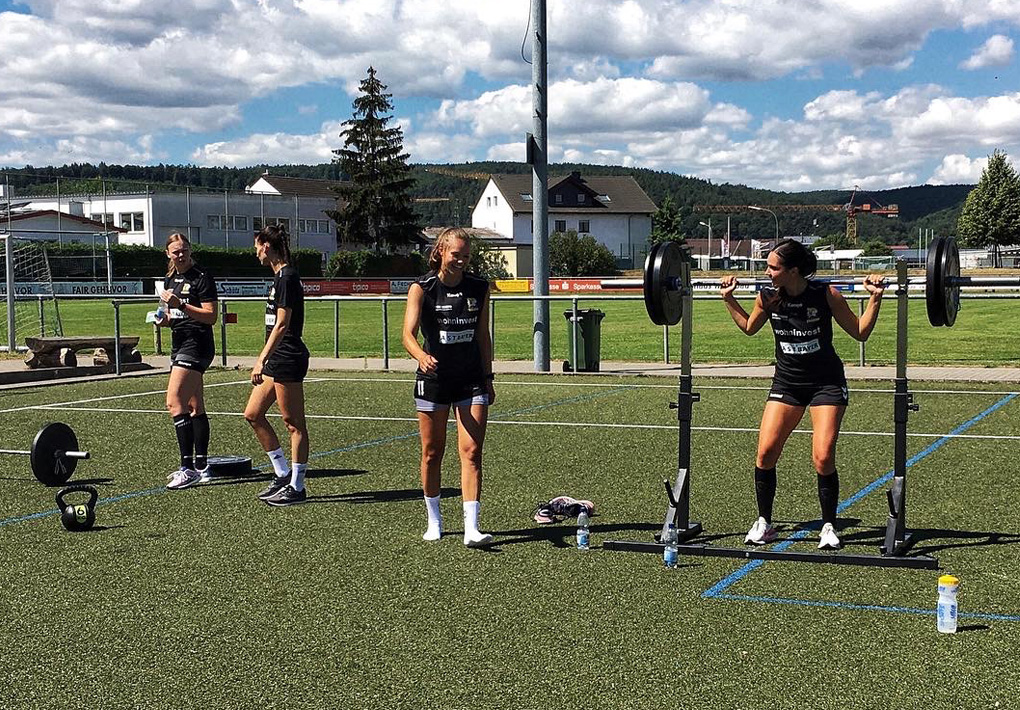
pixel 430 394
pixel 293 368
pixel 192 357
pixel 809 396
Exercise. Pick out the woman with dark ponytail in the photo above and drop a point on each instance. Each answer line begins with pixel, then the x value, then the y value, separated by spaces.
pixel 280 370
pixel 188 306
pixel 809 373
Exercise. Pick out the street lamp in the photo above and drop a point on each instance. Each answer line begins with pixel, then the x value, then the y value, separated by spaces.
pixel 708 263
pixel 756 208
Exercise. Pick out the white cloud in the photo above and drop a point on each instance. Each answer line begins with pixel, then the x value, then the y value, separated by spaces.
pixel 997 51
pixel 272 148
pixel 958 169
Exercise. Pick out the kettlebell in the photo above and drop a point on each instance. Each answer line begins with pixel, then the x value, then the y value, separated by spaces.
pixel 80 516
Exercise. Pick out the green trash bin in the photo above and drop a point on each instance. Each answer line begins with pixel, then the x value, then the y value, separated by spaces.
pixel 589 340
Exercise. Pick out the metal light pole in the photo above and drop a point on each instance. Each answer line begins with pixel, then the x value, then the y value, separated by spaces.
pixel 708 263
pixel 539 185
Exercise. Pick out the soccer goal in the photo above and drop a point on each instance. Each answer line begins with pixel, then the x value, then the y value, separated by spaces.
pixel 28 306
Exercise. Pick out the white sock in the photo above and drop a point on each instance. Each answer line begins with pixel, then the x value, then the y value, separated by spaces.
pixel 297 478
pixel 279 461
pixel 472 536
pixel 434 531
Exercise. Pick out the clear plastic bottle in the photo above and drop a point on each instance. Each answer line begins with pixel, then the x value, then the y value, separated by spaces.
pixel 947 608
pixel 669 552
pixel 583 533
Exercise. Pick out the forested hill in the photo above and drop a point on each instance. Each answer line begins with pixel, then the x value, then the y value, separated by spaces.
pixel 447 193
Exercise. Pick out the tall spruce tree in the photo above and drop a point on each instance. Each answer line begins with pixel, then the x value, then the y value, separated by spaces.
pixel 991 214
pixel 376 191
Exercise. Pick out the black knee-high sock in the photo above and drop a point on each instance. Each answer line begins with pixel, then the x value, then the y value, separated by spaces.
pixel 828 496
pixel 185 439
pixel 765 490
pixel 200 423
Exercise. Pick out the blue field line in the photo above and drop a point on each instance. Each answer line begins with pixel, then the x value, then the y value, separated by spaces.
pixel 864 607
pixel 331 452
pixel 723 584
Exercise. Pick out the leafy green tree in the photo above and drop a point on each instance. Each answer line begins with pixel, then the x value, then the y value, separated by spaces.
pixel 836 240
pixel 487 261
pixel 876 247
pixel 991 213
pixel 378 185
pixel 570 255
pixel 667 223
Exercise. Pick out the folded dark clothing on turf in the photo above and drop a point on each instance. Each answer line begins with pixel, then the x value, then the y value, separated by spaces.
pixel 562 507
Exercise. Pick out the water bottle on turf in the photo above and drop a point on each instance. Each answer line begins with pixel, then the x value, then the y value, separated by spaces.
pixel 946 610
pixel 669 552
pixel 582 530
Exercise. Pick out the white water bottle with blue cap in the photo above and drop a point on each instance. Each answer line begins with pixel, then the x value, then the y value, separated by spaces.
pixel 669 551
pixel 583 533
pixel 946 611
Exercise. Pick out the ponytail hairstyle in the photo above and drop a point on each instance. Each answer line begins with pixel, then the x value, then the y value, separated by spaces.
pixel 793 254
pixel 175 237
pixel 276 237
pixel 442 245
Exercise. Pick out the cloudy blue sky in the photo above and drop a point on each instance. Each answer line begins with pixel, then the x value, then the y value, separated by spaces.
pixel 783 94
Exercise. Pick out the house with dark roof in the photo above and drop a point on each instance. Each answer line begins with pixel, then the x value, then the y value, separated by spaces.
pixel 611 208
pixel 51 225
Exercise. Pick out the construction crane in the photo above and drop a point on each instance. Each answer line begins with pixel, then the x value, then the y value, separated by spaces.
pixel 849 208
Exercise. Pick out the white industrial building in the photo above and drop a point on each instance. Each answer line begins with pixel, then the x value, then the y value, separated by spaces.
pixel 223 218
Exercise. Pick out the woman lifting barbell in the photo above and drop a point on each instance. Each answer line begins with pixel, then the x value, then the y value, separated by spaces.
pixel 189 298
pixel 808 375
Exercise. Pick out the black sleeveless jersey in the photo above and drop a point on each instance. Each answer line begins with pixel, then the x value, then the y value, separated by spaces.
pixel 802 326
pixel 195 287
pixel 287 292
pixel 449 319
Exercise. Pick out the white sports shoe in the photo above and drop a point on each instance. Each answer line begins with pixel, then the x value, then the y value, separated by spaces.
pixel 477 539
pixel 204 475
pixel 433 533
pixel 183 478
pixel 828 539
pixel 761 533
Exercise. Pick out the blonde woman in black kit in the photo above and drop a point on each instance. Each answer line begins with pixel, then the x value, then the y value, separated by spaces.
pixel 189 308
pixel 450 307
pixel 809 374
pixel 279 372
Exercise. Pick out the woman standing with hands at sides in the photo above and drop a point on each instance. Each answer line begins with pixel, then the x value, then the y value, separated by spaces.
pixel 188 306
pixel 280 370
pixel 451 307
pixel 809 374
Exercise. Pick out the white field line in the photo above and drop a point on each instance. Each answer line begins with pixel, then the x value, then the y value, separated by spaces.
pixel 750 388
pixel 508 422
pixel 149 393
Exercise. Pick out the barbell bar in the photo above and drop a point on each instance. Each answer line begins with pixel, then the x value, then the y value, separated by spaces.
pixel 54 454
pixel 663 287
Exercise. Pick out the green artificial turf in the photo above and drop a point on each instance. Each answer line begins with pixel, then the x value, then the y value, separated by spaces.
pixel 626 333
pixel 207 598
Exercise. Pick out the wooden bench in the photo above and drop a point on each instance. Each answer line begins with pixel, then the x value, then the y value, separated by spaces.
pixel 60 352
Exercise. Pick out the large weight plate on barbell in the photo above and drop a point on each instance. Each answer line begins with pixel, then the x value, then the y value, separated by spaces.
pixel 950 270
pixel 663 301
pixel 934 298
pixel 52 439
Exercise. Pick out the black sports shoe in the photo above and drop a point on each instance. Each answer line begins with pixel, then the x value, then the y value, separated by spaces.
pixel 288 496
pixel 275 486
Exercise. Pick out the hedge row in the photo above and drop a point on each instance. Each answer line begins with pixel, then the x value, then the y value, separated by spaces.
pixel 137 262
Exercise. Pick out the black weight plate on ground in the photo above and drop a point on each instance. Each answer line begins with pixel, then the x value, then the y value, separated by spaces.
pixel 46 466
pixel 663 301
pixel 950 270
pixel 229 466
pixel 933 291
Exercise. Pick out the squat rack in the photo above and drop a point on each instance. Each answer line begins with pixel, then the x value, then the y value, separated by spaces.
pixel 668 267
